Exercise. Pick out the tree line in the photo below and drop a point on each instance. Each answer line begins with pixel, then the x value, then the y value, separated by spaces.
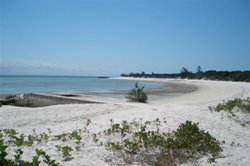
pixel 243 76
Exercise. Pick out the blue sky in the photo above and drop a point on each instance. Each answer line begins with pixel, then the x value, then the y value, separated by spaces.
pixel 110 37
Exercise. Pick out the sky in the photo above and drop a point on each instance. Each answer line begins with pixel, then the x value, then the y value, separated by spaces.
pixel 111 37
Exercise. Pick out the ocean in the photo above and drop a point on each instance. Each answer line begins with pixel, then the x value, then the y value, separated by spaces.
pixel 27 84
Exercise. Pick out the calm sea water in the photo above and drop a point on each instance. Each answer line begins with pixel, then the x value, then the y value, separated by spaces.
pixel 25 84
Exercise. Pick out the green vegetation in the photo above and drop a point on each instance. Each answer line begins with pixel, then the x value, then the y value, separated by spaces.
pixel 137 94
pixel 8 137
pixel 144 147
pixel 131 143
pixel 231 107
pixel 238 103
pixel 19 162
pixel 243 76
pixel 66 150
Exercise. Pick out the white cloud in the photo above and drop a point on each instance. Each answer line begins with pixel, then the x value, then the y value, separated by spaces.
pixel 9 66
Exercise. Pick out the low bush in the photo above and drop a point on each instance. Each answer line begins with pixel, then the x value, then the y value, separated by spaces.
pixel 131 143
pixel 156 148
pixel 238 103
pixel 137 94
pixel 231 107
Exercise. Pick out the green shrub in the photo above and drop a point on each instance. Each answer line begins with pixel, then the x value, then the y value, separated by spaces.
pixel 18 156
pixel 11 139
pixel 187 143
pixel 190 137
pixel 131 143
pixel 232 106
pixel 241 104
pixel 137 94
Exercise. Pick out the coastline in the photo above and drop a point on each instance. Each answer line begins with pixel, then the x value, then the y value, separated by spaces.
pixel 168 90
pixel 198 91
pixel 192 106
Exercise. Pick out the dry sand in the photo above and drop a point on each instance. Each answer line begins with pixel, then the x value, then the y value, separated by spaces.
pixel 176 110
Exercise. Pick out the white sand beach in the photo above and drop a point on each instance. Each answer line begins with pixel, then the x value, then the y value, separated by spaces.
pixel 191 106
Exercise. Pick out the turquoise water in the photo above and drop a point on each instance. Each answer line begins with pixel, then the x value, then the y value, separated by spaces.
pixel 25 84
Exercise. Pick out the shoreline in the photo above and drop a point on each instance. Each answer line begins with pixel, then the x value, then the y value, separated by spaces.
pixel 179 91
pixel 168 90
pixel 203 92
pixel 174 111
